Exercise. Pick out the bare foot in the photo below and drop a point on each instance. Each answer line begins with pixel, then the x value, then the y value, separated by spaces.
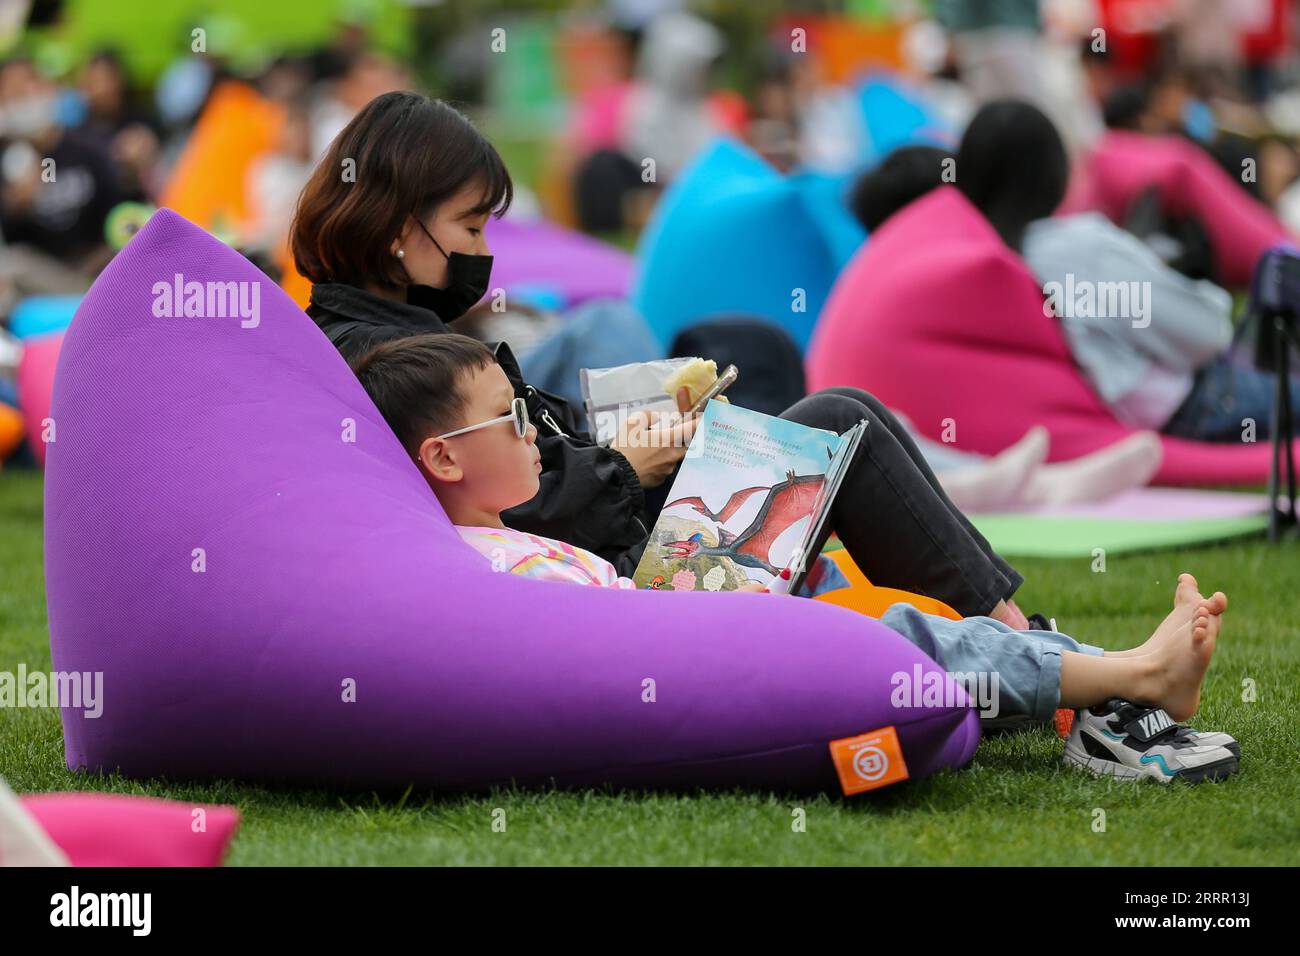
pixel 1188 591
pixel 1186 597
pixel 1181 662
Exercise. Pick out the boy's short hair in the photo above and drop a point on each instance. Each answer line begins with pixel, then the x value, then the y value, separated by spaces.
pixel 905 175
pixel 415 382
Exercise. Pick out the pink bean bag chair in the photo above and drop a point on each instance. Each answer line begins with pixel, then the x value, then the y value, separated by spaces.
pixel 35 385
pixel 102 829
pixel 1125 164
pixel 236 539
pixel 938 318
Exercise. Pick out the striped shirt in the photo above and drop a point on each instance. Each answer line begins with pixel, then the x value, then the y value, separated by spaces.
pixel 546 559
pixel 532 556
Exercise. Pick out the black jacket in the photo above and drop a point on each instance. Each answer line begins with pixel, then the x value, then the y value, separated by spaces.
pixel 590 495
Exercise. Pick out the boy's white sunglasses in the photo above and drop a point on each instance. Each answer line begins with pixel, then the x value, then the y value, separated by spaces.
pixel 518 415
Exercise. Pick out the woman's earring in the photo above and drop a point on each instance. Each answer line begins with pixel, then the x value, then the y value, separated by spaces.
pixel 401 253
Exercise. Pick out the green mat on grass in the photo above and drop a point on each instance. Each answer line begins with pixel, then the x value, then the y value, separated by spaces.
pixel 1046 536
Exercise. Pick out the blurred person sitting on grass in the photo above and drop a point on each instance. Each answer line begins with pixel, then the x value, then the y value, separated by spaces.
pixel 57 187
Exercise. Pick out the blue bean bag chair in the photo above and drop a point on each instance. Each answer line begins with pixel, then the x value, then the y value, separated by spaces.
pixel 241 546
pixel 896 115
pixel 39 315
pixel 732 235
pixel 826 198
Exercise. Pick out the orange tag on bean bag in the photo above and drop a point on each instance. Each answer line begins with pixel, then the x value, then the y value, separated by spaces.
pixel 868 760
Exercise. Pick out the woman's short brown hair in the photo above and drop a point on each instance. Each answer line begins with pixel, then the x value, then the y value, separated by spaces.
pixel 402 155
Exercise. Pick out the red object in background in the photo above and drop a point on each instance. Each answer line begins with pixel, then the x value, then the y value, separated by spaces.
pixel 1271 38
pixel 1132 28
pixel 591 57
pixel 730 111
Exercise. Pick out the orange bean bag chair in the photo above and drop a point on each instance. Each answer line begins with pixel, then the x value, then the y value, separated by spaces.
pixel 11 430
pixel 237 126
pixel 296 285
pixel 866 598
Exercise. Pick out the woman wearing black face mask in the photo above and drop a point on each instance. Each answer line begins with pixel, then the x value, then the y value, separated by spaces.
pixel 390 226
pixel 390 231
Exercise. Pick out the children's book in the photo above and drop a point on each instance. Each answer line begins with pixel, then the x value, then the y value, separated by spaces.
pixel 750 498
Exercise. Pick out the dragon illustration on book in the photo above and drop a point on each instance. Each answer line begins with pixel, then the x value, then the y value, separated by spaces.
pixel 786 502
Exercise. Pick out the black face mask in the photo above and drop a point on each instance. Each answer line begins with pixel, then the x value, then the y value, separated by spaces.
pixel 467 282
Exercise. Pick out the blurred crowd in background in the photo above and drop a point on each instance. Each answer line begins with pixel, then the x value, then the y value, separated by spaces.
pixel 593 88
pixel 579 97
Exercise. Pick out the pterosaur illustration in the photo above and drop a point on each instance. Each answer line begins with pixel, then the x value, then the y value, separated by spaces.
pixel 786 502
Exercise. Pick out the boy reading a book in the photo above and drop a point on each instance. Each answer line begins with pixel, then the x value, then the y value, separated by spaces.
pixel 457 415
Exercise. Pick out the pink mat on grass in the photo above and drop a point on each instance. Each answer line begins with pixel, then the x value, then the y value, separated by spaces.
pixel 1162 504
pixel 939 319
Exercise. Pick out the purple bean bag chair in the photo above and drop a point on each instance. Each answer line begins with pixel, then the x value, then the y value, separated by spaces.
pixel 269 600
pixel 536 258
pixel 939 319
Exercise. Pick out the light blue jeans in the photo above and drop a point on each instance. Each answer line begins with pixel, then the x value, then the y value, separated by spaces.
pixel 1026 664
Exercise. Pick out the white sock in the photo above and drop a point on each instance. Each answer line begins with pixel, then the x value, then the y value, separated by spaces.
pixel 999 482
pixel 1126 464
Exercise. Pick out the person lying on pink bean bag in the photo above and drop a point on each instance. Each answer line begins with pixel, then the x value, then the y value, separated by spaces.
pixel 941 317
pixel 1125 164
pixel 1155 345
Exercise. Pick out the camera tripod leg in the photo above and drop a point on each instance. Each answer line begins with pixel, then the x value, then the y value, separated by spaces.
pixel 1283 440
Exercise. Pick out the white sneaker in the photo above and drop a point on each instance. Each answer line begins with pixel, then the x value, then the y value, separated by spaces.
pixel 1128 741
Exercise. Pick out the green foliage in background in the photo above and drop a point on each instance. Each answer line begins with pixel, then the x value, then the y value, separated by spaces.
pixel 248 33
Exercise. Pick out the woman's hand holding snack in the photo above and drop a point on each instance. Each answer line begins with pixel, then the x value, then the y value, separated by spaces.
pixel 654 443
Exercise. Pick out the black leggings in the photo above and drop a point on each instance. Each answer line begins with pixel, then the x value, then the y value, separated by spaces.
pixel 892 514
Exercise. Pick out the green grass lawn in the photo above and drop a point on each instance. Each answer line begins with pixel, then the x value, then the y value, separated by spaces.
pixel 1015 804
